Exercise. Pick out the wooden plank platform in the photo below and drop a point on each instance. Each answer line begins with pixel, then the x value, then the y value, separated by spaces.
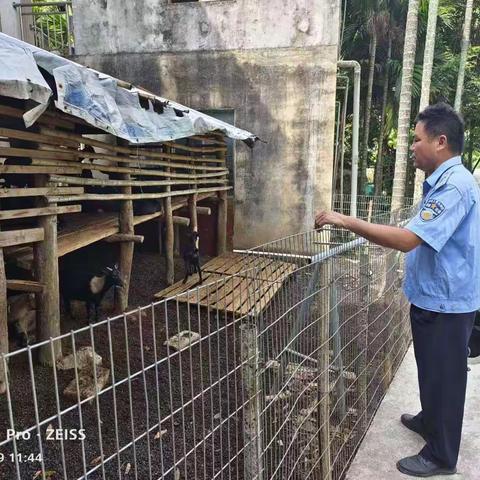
pixel 82 229
pixel 235 283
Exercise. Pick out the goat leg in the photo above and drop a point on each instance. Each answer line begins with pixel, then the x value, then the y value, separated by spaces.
pixel 199 270
pixel 89 311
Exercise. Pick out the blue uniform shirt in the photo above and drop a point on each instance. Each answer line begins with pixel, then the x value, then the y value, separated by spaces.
pixel 443 272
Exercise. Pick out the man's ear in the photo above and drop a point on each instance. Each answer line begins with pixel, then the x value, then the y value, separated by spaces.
pixel 443 141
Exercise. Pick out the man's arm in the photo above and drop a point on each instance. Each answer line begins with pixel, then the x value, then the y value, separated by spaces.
pixel 384 235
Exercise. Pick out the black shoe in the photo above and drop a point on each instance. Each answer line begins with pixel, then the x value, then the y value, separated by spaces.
pixel 417 466
pixel 413 425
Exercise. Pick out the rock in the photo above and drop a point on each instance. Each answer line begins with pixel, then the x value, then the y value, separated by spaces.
pixel 86 383
pixel 182 340
pixel 85 356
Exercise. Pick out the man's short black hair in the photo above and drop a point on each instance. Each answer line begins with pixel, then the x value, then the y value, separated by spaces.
pixel 442 119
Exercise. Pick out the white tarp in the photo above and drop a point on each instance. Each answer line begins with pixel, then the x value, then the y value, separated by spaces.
pixel 96 98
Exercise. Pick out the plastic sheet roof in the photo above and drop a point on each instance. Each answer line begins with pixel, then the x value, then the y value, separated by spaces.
pixel 98 98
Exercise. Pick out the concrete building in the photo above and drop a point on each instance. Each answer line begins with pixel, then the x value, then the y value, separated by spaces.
pixel 269 65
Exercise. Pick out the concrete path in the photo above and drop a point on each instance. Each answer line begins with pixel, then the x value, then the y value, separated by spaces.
pixel 388 440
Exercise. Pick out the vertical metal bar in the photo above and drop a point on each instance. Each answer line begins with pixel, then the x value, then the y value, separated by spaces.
pixel 35 406
pixel 145 391
pixel 129 377
pixel 114 395
pixel 10 414
pixel 69 29
pixel 157 385
pixel 97 403
pixel 80 414
pixel 180 377
pixel 192 391
pixel 59 413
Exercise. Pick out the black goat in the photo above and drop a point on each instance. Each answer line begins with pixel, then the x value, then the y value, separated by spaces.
pixel 87 287
pixel 191 257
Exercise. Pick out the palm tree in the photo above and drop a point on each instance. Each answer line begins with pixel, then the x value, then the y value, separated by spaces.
pixel 427 78
pixel 463 54
pixel 381 140
pixel 405 105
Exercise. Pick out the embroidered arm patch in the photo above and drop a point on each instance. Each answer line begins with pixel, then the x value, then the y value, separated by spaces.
pixel 431 210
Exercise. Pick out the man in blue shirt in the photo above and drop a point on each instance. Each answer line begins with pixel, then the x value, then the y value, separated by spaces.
pixel 442 283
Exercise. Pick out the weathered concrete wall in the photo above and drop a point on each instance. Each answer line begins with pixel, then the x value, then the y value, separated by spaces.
pixel 9 23
pixel 115 26
pixel 285 96
pixel 273 62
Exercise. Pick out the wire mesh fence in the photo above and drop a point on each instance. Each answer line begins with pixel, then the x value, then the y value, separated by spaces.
pixel 272 372
pixel 369 207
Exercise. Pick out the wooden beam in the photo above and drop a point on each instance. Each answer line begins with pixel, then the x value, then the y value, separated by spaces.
pixel 124 237
pixel 36 137
pixel 169 238
pixel 181 221
pixel 192 209
pixel 37 192
pixel 187 148
pixel 25 286
pixel 134 196
pixel 29 169
pixel 128 183
pixel 133 150
pixel 204 210
pixel 20 237
pixel 38 212
pixel 63 154
pixel 46 268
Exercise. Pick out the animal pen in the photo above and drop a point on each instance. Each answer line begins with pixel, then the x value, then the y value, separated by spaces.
pixel 272 369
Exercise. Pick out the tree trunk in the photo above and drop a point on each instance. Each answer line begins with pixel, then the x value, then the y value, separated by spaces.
pixel 405 105
pixel 381 140
pixel 427 80
pixel 368 112
pixel 463 54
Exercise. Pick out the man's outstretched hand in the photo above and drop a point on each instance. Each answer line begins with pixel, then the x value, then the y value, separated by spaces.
pixel 329 218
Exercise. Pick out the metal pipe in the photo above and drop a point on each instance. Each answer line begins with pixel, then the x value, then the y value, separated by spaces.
pixel 356 128
pixel 339 171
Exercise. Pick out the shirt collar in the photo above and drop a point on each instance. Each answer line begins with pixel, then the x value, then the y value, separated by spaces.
pixel 435 176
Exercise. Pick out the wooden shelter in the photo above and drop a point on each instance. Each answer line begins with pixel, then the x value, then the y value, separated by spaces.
pixel 62 163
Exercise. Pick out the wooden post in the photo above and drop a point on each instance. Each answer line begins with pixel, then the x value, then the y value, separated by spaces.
pixel 222 223
pixel 3 322
pixel 126 248
pixel 251 414
pixel 167 206
pixel 46 268
pixel 192 208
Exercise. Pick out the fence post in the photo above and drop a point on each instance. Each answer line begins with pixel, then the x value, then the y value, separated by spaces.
pixel 364 296
pixel 323 373
pixel 337 349
pixel 251 412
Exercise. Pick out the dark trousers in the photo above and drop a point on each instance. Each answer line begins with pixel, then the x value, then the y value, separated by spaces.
pixel 440 342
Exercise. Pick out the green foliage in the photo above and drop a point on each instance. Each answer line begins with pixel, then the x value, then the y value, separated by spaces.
pixel 51 26
pixel 362 16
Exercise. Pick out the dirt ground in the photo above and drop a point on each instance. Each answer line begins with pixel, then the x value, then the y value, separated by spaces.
pixel 137 405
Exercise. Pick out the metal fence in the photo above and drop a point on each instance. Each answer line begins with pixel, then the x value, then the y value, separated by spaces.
pixel 369 207
pixel 274 372
pixel 48 25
